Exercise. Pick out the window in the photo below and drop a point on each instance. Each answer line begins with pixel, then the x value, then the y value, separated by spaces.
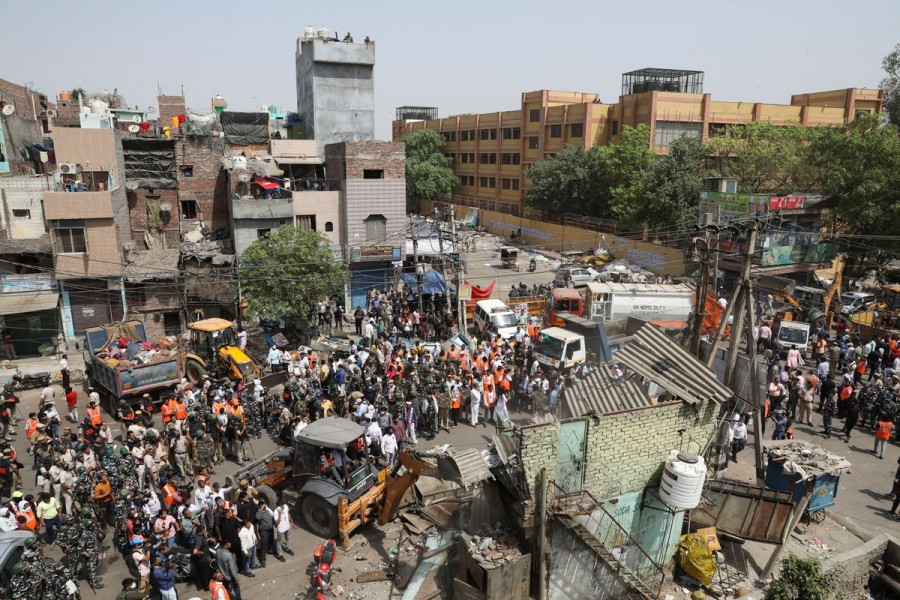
pixel 329 226
pixel 614 128
pixel 261 233
pixel 186 170
pixel 488 182
pixel 467 136
pixel 305 222
pixel 556 131
pixel 576 130
pixel 188 209
pixel 449 136
pixel 532 142
pixel 21 213
pixel 534 115
pixel 512 133
pixel 172 323
pixel 487 134
pixel 667 132
pixel 509 184
pixel 376 228
pixel 510 158
pixel 861 112
pixel 373 173
pixel 70 237
pixel 467 180
pixel 487 158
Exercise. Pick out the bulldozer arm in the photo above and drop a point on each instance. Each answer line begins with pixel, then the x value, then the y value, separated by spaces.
pixel 397 486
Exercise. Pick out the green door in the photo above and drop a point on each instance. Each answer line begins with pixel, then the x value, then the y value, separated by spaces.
pixel 570 463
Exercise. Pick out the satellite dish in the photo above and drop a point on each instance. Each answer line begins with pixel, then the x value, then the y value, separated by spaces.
pixel 136 119
pixel 8 109
pixel 134 128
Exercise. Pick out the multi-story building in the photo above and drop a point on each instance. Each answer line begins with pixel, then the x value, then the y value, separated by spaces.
pixel 335 89
pixel 491 151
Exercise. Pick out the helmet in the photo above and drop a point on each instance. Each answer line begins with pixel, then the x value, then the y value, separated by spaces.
pixel 67 518
pixel 108 451
pixel 85 512
pixel 82 470
pixel 30 541
pixel 123 451
pixel 19 567
pixel 210 417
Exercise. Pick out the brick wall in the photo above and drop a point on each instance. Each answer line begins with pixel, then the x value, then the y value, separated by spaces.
pixel 170 106
pixel 137 213
pixel 208 186
pixel 855 565
pixel 22 99
pixel 625 452
pixel 348 160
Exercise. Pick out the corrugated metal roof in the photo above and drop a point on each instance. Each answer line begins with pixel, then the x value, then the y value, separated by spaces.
pixel 601 394
pixel 472 467
pixel 654 356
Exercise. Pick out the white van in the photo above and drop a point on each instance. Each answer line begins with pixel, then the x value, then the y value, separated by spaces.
pixel 495 313
pixel 855 302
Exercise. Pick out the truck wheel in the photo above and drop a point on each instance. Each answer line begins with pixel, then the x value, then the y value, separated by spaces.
pixel 194 371
pixel 320 516
pixel 268 494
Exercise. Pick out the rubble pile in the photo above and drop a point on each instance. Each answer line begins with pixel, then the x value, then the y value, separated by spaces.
pixel 808 459
pixel 491 551
pixel 124 348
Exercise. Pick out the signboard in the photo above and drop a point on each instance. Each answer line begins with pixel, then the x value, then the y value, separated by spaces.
pixel 375 253
pixel 786 202
pixel 723 205
pixel 465 293
pixel 36 282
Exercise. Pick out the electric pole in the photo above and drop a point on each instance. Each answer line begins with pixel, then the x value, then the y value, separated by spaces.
pixel 742 294
pixel 702 289
pixel 420 272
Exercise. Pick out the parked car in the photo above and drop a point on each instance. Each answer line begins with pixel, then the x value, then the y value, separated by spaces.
pixel 12 545
pixel 579 276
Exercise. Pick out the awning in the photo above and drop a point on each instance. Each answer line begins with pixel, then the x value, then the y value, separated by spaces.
pixel 266 183
pixel 26 302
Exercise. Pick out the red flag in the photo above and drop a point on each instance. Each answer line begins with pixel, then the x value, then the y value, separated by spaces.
pixel 479 293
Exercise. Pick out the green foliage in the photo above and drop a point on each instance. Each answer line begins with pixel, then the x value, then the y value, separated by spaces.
pixel 672 186
pixel 860 169
pixel 623 167
pixel 763 157
pixel 567 182
pixel 428 171
pixel 803 579
pixel 77 93
pixel 891 86
pixel 286 271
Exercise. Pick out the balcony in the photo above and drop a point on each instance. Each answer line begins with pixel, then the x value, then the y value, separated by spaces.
pixel 248 207
pixel 77 205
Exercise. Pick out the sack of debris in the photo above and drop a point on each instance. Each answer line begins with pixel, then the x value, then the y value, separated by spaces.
pixel 695 558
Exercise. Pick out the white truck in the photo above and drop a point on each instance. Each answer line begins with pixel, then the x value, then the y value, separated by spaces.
pixel 791 334
pixel 665 304
pixel 564 348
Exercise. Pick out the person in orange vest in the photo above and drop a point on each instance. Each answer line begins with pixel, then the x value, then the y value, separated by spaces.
pixel 93 413
pixel 217 588
pixel 487 384
pixel 180 409
pixel 31 424
pixel 167 410
pixel 171 495
pixel 455 399
pixel 882 435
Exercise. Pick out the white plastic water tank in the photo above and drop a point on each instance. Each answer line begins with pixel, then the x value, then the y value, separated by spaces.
pixel 323 33
pixel 682 480
pixel 240 162
pixel 309 32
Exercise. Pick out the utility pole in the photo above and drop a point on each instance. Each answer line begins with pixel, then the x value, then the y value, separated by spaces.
pixel 702 289
pixel 742 294
pixel 755 396
pixel 420 274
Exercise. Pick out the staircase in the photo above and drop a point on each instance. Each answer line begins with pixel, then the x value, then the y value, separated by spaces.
pixel 565 507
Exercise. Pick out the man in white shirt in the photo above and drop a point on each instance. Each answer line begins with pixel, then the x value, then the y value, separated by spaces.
pixel 738 439
pixel 373 431
pixel 283 524
pixel 242 339
pixel 475 401
pixel 248 545
pixel 48 394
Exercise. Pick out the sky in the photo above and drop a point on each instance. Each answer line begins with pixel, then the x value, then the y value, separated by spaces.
pixel 462 56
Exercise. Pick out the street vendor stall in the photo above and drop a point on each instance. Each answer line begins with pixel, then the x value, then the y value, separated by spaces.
pixel 801 468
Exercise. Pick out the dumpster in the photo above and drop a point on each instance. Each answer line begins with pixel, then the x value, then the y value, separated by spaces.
pixel 802 468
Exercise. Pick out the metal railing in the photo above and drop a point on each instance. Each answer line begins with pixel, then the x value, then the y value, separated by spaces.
pixel 622 551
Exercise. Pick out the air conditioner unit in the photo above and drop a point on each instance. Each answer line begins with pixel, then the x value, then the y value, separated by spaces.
pixel 52 113
pixel 69 168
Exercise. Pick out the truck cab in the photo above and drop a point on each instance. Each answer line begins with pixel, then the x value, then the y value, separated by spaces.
pixel 791 334
pixel 214 347
pixel 560 348
pixel 563 301
pixel 494 313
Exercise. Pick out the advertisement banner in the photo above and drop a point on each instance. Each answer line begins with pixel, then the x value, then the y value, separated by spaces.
pixel 375 253
pixel 786 202
pixel 724 206
pixel 34 282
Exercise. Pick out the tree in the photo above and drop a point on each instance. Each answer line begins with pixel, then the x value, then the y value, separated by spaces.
pixel 763 157
pixel 623 166
pixel 77 93
pixel 803 579
pixel 286 271
pixel 891 86
pixel 860 170
pixel 428 171
pixel 566 182
pixel 672 186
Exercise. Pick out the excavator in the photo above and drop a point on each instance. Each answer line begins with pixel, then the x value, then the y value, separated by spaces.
pixel 214 350
pixel 329 479
pixel 813 305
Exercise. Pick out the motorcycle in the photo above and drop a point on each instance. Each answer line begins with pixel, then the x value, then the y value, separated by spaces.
pixel 532 266
pixel 29 381
pixel 320 570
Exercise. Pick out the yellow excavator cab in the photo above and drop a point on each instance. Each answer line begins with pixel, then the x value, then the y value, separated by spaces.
pixel 216 338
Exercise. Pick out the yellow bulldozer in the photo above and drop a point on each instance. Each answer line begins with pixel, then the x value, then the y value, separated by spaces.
pixel 213 349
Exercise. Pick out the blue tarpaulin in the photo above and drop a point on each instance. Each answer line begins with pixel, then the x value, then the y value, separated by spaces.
pixel 432 283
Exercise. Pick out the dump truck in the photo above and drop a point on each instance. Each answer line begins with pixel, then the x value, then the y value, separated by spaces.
pixel 334 501
pixel 213 349
pixel 580 340
pixel 127 379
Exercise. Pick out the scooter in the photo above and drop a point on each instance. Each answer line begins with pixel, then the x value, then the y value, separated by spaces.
pixel 320 570
pixel 532 266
